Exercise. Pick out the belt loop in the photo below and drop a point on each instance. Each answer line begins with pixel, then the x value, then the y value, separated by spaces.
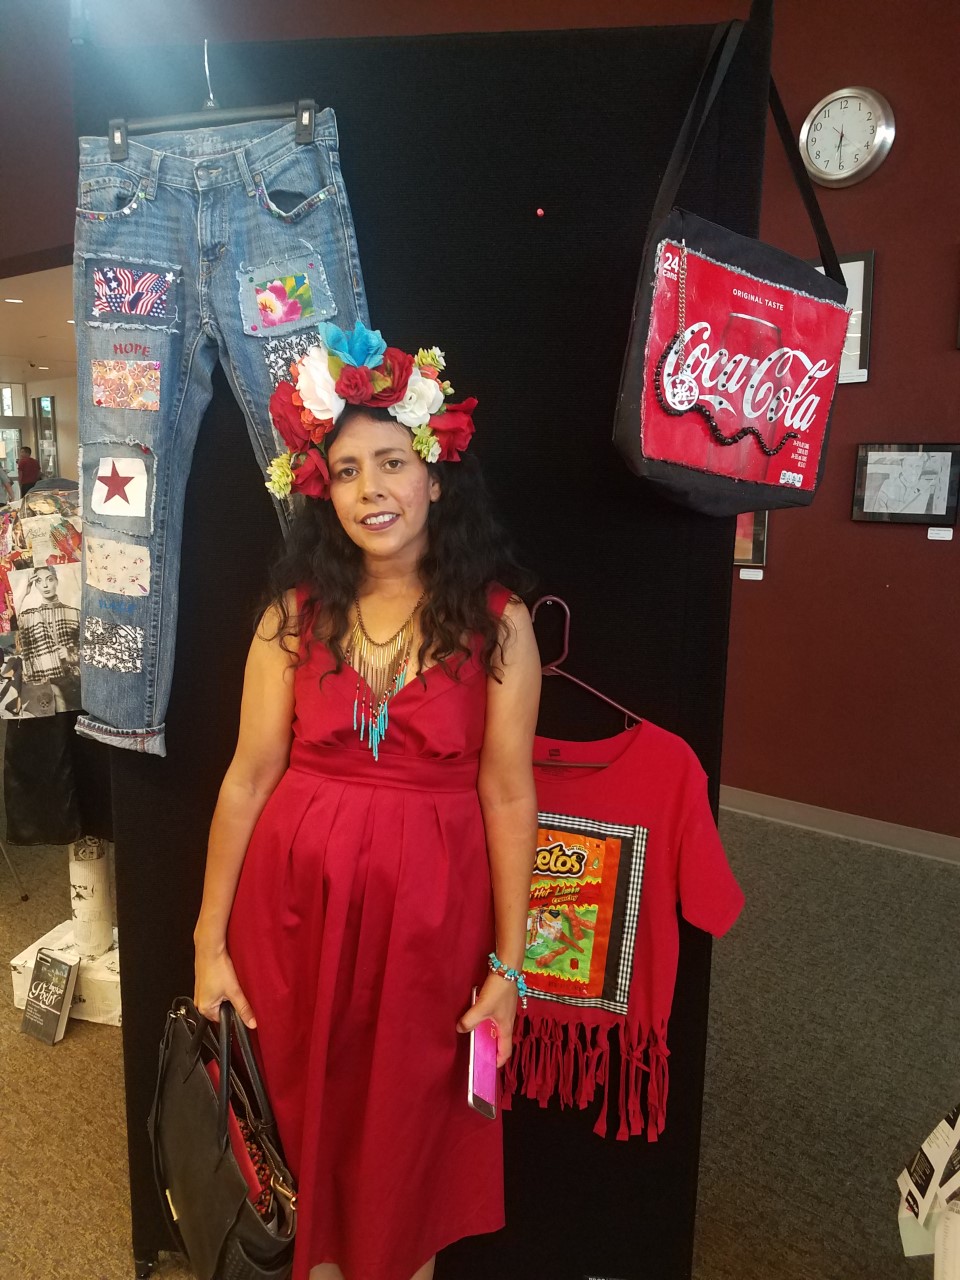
pixel 245 172
pixel 150 184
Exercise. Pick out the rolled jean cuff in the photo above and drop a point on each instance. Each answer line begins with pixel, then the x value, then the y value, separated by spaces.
pixel 149 741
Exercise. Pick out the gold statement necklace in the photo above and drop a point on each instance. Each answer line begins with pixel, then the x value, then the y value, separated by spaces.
pixel 381 672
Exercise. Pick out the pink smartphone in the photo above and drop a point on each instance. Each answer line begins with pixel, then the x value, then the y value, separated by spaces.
pixel 483 1080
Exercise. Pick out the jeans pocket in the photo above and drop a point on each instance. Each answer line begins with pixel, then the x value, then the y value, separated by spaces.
pixel 107 191
pixel 292 187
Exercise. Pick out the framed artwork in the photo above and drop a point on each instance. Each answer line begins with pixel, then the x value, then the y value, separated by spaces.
pixel 857 270
pixel 750 545
pixel 907 483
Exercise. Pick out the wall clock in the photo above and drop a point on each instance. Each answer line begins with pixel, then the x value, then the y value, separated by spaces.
pixel 846 136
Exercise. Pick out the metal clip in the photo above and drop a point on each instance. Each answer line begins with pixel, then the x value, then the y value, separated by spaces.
pixel 306 115
pixel 282 1190
pixel 117 139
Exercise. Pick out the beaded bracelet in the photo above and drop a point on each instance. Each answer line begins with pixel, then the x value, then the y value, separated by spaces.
pixel 496 965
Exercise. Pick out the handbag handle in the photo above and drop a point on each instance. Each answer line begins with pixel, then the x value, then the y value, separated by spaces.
pixel 231 1026
pixel 723 46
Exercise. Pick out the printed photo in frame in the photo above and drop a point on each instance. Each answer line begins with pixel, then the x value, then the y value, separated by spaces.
pixel 907 483
pixel 750 545
pixel 857 271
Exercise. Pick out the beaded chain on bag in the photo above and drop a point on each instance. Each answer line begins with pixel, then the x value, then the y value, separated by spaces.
pixel 683 392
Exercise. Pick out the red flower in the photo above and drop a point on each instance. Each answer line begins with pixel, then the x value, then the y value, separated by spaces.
pixel 320 427
pixel 285 412
pixel 311 477
pixel 397 366
pixel 454 429
pixel 354 384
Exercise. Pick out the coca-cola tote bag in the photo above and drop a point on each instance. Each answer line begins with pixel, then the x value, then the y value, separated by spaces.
pixel 734 350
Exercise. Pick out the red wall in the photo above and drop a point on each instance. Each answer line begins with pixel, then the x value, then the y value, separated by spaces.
pixel 843 688
pixel 844 669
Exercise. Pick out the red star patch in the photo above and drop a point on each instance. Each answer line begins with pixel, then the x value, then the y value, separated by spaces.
pixel 116 484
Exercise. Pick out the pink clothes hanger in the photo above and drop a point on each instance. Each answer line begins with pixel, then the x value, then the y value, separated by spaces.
pixel 554 669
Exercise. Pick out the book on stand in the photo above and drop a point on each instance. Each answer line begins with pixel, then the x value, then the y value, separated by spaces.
pixel 49 996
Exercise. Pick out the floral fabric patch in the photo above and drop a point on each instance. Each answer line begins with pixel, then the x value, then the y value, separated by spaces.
pixel 126 384
pixel 132 291
pixel 285 295
pixel 120 487
pixel 115 646
pixel 120 568
pixel 284 299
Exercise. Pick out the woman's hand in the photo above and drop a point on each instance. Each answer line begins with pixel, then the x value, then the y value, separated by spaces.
pixel 215 982
pixel 496 999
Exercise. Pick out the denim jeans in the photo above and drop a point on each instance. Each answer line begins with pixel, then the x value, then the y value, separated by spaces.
pixel 232 243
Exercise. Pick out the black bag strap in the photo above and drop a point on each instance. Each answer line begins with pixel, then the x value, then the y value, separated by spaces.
pixel 723 46
pixel 231 1027
pixel 828 255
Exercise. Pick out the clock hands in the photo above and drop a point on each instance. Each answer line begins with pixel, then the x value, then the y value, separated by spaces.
pixel 861 137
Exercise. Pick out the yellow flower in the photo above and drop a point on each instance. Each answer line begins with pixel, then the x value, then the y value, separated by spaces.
pixel 432 356
pixel 426 444
pixel 280 472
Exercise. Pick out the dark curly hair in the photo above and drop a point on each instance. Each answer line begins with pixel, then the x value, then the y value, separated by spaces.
pixel 467 551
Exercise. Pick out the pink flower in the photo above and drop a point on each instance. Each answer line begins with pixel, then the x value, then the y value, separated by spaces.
pixel 275 307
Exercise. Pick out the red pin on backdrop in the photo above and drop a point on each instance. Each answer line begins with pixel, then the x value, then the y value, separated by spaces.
pixel 539 213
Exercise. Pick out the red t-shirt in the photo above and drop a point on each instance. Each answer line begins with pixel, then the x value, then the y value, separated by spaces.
pixel 620 847
pixel 28 471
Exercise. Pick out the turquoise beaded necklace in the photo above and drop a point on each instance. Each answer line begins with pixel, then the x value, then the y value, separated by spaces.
pixel 381 673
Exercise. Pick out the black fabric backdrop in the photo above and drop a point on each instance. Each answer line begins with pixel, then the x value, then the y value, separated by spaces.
pixel 449 146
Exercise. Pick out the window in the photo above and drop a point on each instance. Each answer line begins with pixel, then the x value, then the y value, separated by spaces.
pixel 13 400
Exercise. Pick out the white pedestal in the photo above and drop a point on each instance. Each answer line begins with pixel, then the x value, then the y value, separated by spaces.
pixel 97 994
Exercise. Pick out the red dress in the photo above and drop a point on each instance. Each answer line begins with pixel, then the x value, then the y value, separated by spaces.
pixel 362 920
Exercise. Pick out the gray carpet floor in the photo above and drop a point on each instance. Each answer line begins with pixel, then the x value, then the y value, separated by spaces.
pixel 834 1034
pixel 834 1048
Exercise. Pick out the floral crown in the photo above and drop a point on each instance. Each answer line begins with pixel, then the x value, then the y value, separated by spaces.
pixel 359 368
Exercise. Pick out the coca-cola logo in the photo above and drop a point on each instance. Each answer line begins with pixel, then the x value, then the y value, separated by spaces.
pixel 782 385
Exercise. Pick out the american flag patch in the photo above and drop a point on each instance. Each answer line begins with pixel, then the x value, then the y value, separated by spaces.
pixel 128 292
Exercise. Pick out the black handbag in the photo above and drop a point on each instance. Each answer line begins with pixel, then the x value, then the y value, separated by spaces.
pixel 204 1102
pixel 734 350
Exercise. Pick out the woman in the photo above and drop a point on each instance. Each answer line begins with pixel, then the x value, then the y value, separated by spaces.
pixel 374 836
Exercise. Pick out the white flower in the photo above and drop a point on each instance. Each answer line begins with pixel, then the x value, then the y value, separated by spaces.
pixel 316 386
pixel 423 397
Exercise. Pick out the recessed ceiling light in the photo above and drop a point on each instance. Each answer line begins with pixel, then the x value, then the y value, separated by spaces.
pixel 13 300
pixel 71 322
pixel 44 366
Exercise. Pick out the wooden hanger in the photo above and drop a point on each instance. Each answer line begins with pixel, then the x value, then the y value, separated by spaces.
pixel 554 669
pixel 211 113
